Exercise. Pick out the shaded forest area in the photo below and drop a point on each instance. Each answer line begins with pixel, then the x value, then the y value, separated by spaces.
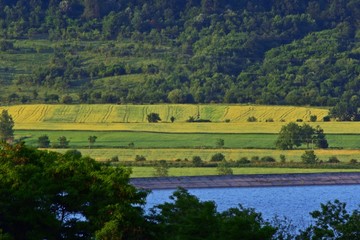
pixel 294 52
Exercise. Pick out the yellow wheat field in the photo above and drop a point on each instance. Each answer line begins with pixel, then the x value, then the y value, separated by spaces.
pixel 133 118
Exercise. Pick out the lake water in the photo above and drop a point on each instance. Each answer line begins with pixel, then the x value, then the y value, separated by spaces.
pixel 294 203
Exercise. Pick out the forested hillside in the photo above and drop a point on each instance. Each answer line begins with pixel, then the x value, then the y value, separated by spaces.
pixel 296 52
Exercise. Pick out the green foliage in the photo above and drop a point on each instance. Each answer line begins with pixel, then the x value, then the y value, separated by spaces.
pixel 63 142
pixel 197 161
pixel 44 141
pixel 293 135
pixel 6 126
pixel 92 140
pixel 217 157
pixel 268 159
pixel 140 158
pixel 313 118
pixel 320 139
pixel 73 154
pixel 224 168
pixel 309 157
pixel 42 192
pixel 244 223
pixel 326 119
pixel 301 53
pixel 333 159
pixel 115 159
pixel 220 143
pixel 6 45
pixel 252 119
pixel 333 221
pixel 243 160
pixel 289 136
pixel 153 117
pixel 161 169
pixel 345 111
pixel 186 217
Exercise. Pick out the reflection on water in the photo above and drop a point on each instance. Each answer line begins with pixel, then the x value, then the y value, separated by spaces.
pixel 294 203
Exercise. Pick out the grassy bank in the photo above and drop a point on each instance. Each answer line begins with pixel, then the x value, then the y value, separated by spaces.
pixel 149 171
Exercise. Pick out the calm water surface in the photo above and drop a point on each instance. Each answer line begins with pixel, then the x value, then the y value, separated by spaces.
pixel 294 203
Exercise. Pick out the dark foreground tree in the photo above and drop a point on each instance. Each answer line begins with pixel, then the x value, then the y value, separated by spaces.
pixel 45 195
pixel 186 217
pixel 333 221
pixel 6 126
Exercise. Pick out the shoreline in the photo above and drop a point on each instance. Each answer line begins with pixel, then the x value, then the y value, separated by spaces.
pixel 243 181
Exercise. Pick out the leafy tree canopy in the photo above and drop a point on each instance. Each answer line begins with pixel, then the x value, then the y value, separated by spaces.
pixel 46 195
pixel 6 126
pixel 292 135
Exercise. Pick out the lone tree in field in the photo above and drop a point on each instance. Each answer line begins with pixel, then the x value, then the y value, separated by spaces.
pixel 6 126
pixel 289 136
pixel 44 141
pixel 91 140
pixel 320 139
pixel 63 142
pixel 153 117
pixel 293 135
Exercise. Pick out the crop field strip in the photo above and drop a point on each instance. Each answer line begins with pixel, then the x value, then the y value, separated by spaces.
pixel 133 118
pixel 176 140
pixel 205 154
pixel 137 113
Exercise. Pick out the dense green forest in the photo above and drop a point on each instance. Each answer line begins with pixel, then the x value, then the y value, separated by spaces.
pixel 297 52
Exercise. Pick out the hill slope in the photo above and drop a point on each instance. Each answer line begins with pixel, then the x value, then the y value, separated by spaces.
pixel 120 51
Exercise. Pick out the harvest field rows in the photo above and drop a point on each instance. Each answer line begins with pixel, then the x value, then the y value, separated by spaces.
pixel 133 118
pixel 106 113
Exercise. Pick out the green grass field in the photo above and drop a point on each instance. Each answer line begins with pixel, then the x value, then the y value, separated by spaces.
pixel 107 139
pixel 149 171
